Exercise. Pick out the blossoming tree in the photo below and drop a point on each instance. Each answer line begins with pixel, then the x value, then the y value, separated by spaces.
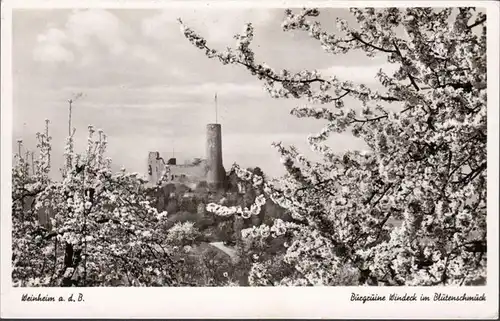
pixel 101 229
pixel 426 163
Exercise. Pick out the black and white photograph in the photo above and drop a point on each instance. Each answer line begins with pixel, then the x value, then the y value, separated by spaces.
pixel 240 146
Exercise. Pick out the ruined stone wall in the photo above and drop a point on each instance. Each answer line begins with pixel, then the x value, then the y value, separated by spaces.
pixel 156 167
pixel 187 173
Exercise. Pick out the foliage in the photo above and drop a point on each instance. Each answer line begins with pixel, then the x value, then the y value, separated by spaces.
pixel 182 234
pixel 426 163
pixel 204 265
pixel 102 229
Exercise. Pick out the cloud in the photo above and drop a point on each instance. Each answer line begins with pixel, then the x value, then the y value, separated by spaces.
pixel 215 25
pixel 173 94
pixel 84 26
pixel 90 35
pixel 51 47
pixel 144 53
pixel 210 88
pixel 53 53
pixel 359 73
pixel 142 106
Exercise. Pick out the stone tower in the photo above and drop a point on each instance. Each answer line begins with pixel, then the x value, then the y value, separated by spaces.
pixel 216 173
pixel 156 166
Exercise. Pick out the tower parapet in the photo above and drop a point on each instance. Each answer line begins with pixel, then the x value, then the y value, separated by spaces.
pixel 216 172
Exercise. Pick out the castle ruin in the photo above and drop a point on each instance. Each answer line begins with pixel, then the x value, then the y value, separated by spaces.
pixel 209 170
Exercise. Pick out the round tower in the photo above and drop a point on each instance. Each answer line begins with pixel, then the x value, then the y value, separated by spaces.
pixel 216 172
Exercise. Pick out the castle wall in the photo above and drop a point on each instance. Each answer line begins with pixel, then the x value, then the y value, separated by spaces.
pixel 189 173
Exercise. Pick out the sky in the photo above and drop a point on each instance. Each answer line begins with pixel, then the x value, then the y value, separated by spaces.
pixel 149 89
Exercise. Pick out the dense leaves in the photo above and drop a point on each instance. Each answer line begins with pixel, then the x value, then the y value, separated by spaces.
pixel 425 168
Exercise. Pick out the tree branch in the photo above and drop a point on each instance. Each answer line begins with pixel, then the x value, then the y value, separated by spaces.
pixel 356 36
pixel 368 120
pixel 300 81
pixel 477 23
pixel 473 174
pixel 410 77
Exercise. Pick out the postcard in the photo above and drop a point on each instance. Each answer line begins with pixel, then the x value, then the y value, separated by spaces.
pixel 246 159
